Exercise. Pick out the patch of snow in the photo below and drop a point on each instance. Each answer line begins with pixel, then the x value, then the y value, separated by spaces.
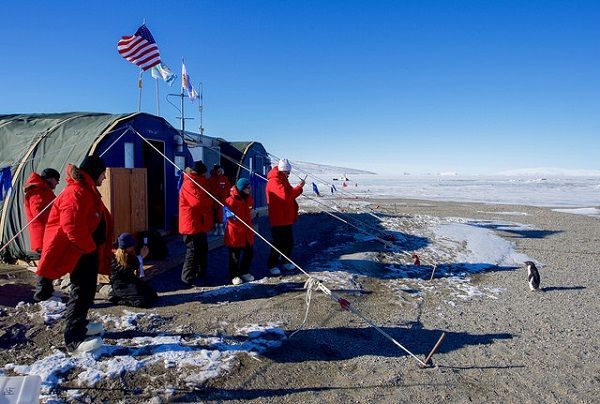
pixel 593 212
pixel 127 321
pixel 196 359
pixel 51 369
pixel 505 213
pixel 464 289
pixel 52 310
pixel 457 246
pixel 338 279
pixel 482 245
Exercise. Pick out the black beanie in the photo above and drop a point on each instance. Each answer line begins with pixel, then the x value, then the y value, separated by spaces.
pixel 94 166
pixel 50 173
pixel 199 167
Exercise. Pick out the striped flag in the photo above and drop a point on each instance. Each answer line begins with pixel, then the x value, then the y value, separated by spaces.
pixel 187 84
pixel 140 48
pixel 162 71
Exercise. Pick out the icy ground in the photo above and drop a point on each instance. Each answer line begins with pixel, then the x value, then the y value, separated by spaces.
pixel 593 212
pixel 196 357
pixel 458 249
pixel 580 192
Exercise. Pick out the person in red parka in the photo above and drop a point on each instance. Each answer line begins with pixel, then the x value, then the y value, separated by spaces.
pixel 195 220
pixel 78 241
pixel 219 187
pixel 283 212
pixel 39 194
pixel 238 237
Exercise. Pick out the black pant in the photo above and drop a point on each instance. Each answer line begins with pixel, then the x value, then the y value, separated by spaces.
pixel 283 239
pixel 239 267
pixel 43 289
pixel 133 292
pixel 81 298
pixel 196 256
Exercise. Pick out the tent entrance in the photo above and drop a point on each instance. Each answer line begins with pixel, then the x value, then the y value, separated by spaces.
pixel 155 166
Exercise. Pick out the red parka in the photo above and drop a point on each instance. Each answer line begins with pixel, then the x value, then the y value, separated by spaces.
pixel 195 206
pixel 219 186
pixel 236 234
pixel 38 195
pixel 74 216
pixel 281 198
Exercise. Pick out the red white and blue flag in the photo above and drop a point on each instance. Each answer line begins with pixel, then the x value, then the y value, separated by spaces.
pixel 140 48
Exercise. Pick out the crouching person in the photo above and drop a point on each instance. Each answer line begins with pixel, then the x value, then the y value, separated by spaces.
pixel 238 237
pixel 77 240
pixel 127 288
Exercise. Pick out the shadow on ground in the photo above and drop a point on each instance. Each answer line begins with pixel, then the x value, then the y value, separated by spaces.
pixel 13 293
pixel 331 344
pixel 395 271
pixel 557 288
pixel 516 231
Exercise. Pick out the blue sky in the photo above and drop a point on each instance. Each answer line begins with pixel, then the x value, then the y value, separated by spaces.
pixel 387 86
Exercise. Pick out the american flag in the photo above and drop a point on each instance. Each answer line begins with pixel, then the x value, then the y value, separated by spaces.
pixel 140 48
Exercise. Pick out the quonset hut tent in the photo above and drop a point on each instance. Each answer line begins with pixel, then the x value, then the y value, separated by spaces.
pixel 32 142
pixel 249 154
pixel 254 156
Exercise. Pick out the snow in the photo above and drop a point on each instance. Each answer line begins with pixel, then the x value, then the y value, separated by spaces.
pixel 128 321
pixel 482 245
pixel 593 212
pixel 458 247
pixel 52 309
pixel 542 172
pixel 196 359
pixel 556 191
pixel 505 213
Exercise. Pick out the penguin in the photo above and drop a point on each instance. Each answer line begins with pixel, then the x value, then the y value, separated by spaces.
pixel 533 276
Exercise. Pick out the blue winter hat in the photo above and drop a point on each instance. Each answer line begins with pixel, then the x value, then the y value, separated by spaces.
pixel 126 240
pixel 242 184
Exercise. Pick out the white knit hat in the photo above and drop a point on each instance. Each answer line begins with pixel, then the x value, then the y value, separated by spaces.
pixel 284 165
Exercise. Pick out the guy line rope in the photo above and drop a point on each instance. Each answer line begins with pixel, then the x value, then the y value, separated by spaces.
pixel 311 282
pixel 342 190
pixel 386 243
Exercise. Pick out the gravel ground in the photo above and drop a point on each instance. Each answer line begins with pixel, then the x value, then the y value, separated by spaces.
pixel 520 346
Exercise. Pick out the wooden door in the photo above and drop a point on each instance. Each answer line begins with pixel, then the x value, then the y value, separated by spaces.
pixel 124 194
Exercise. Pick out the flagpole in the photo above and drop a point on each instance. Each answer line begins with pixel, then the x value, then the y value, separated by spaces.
pixel 157 98
pixel 182 114
pixel 140 94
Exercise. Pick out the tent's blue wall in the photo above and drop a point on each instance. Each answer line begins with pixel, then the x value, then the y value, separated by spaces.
pixel 256 158
pixel 152 128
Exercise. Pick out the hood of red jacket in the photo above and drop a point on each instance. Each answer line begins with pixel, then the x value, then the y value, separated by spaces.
pixel 34 180
pixel 77 176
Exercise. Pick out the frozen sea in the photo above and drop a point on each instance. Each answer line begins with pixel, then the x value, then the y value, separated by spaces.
pixel 577 192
